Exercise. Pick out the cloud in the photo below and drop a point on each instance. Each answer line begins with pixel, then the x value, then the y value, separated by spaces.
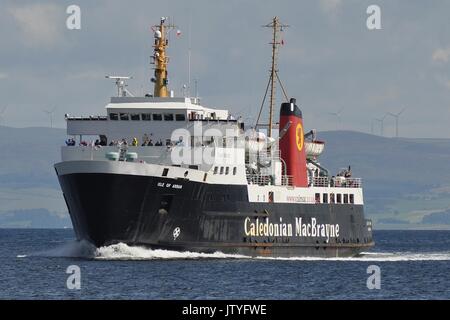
pixel 330 6
pixel 3 75
pixel 441 55
pixel 39 24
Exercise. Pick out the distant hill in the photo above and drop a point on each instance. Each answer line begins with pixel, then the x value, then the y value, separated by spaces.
pixel 401 176
pixel 28 155
pixel 405 180
pixel 34 218
pixel 389 165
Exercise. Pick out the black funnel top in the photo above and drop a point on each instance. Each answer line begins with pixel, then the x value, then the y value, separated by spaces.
pixel 290 109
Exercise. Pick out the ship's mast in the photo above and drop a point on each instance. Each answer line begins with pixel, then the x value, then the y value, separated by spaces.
pixel 274 25
pixel 277 27
pixel 160 59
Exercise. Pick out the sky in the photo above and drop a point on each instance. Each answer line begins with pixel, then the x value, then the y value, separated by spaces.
pixel 330 60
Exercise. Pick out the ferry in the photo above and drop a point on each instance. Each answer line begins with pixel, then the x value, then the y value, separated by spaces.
pixel 166 172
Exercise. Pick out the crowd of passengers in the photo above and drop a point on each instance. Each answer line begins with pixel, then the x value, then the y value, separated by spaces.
pixel 146 141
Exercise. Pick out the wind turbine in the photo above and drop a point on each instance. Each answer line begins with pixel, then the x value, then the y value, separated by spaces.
pixel 338 116
pixel 381 121
pixel 396 116
pixel 50 115
pixel 2 113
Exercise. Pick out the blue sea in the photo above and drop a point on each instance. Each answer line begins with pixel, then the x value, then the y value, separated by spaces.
pixel 34 262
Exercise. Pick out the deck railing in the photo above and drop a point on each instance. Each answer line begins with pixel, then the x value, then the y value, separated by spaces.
pixel 339 182
pixel 266 180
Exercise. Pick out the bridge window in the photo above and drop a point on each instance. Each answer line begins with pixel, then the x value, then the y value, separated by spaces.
pixel 165 172
pixel 216 169
pixel 180 117
pixel 352 198
pixel 168 116
pixel 345 198
pixel 135 117
pixel 157 117
pixel 227 170
pixel 325 198
pixel 113 116
pixel 124 116
pixel 221 170
pixel 331 197
pixel 146 116
pixel 234 171
pixel 339 198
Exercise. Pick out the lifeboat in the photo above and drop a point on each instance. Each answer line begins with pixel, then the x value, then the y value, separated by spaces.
pixel 314 149
pixel 256 141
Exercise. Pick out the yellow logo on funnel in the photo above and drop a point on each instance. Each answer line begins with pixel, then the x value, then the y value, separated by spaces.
pixel 299 136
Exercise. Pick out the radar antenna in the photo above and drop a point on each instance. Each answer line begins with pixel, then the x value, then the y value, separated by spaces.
pixel 122 90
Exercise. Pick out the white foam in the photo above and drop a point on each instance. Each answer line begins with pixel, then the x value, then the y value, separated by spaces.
pixel 122 251
pixel 378 256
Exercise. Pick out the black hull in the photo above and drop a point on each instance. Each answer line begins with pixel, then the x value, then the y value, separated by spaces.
pixel 141 210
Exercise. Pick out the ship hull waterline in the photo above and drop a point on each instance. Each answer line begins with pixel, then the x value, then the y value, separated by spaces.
pixel 108 208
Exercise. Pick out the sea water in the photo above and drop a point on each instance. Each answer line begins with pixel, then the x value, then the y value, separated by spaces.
pixel 38 264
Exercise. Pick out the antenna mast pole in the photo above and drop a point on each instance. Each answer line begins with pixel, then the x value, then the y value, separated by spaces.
pixel 276 26
pixel 189 55
pixel 160 59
